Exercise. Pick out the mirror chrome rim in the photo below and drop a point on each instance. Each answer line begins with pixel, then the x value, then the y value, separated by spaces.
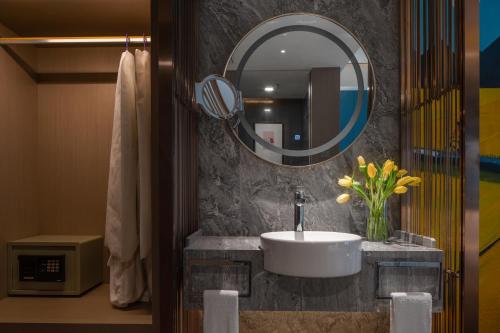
pixel 354 117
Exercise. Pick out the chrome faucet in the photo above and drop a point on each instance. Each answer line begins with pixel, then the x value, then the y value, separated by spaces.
pixel 300 201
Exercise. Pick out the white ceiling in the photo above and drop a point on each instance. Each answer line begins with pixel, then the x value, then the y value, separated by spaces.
pixel 289 71
pixel 289 84
pixel 303 43
pixel 76 17
pixel 304 50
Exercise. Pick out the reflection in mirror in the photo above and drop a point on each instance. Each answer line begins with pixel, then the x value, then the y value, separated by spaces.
pixel 305 83
pixel 217 97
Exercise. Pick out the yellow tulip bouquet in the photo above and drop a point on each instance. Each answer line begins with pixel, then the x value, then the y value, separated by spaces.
pixel 380 184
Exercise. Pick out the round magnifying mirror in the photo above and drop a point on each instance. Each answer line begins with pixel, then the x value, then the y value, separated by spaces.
pixel 218 97
pixel 307 89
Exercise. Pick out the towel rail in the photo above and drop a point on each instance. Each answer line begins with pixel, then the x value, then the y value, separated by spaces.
pixel 96 40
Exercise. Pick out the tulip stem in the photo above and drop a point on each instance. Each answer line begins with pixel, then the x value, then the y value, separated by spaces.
pixel 376 229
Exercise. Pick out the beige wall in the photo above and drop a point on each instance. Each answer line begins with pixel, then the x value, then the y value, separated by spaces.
pixel 54 145
pixel 78 59
pixel 18 136
pixel 74 138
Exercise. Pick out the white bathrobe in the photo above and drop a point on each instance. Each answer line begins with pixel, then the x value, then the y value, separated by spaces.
pixel 127 283
pixel 143 108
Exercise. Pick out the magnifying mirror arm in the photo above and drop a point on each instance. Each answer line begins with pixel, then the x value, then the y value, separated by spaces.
pixel 211 102
pixel 198 94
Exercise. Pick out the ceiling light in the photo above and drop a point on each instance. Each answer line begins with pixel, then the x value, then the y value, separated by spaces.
pixel 267 109
pixel 269 89
pixel 283 51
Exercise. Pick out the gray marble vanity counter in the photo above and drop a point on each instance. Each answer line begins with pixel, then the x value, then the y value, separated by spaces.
pixel 241 243
pixel 222 243
pixel 221 262
pixel 397 247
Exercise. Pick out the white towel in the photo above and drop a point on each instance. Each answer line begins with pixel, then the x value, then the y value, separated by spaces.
pixel 411 312
pixel 143 108
pixel 220 311
pixel 121 238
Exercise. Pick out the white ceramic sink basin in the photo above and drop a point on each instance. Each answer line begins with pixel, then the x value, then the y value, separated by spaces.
pixel 311 253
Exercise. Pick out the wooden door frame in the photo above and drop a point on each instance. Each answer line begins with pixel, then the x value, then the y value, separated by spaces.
pixel 470 168
pixel 174 153
pixel 162 164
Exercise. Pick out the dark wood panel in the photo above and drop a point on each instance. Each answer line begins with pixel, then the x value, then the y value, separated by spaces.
pixel 470 147
pixel 161 164
pixel 174 153
pixel 75 17
pixel 324 101
pixel 76 77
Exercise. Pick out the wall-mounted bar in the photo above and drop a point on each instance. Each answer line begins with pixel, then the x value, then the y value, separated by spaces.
pixel 63 41
pixel 109 40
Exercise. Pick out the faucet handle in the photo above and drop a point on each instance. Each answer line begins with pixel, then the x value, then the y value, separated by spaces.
pixel 299 194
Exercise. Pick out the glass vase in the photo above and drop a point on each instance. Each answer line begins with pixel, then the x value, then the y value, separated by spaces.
pixel 376 224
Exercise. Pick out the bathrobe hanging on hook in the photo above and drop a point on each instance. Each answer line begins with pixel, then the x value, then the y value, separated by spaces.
pixel 127 283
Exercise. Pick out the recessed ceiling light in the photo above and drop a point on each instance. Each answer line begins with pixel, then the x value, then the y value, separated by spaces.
pixel 283 51
pixel 267 109
pixel 269 88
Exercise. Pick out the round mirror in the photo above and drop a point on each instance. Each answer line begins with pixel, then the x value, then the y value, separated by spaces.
pixel 306 84
pixel 217 97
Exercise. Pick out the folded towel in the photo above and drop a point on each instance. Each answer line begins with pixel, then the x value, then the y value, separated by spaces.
pixel 411 312
pixel 220 311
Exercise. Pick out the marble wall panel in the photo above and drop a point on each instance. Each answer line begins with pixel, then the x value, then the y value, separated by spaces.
pixel 241 194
